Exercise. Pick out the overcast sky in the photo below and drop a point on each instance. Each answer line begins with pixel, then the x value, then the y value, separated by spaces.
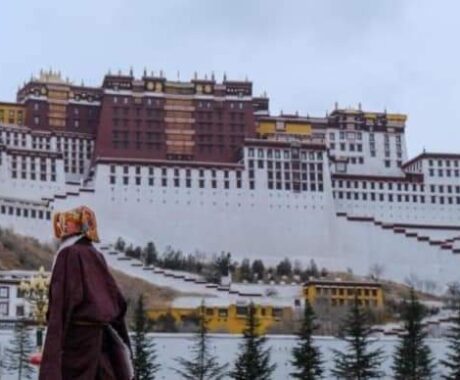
pixel 399 55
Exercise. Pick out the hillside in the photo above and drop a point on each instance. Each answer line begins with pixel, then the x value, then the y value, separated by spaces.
pixel 20 252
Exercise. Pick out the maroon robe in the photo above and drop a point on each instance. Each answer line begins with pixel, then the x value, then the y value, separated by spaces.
pixel 83 298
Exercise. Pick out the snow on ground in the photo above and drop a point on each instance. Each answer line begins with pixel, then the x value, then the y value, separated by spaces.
pixel 170 346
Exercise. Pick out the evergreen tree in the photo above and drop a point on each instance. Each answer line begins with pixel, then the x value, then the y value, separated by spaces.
pixel 245 270
pixel 358 362
pixel 253 362
pixel 18 352
pixel 284 268
pixel 203 365
pixel 413 359
pixel 150 254
pixel 258 269
pixel 452 363
pixel 145 366
pixel 306 357
pixel 120 245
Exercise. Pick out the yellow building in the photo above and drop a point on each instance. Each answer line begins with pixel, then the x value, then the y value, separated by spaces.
pixel 229 318
pixel 342 293
pixel 12 113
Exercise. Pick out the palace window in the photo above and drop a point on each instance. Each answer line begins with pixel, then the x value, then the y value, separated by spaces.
pixel 4 292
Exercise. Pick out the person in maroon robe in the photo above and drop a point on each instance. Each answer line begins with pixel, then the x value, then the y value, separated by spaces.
pixel 86 338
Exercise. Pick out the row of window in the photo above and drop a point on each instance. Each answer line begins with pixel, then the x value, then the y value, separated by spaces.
pixel 351 135
pixel 33 168
pixel 4 310
pixel 320 291
pixel 444 173
pixel 159 103
pixel 382 197
pixel 5 292
pixel 33 176
pixel 349 302
pixel 296 176
pixel 446 163
pixel 12 116
pixel 63 144
pixel 294 154
pixel 295 186
pixel 359 148
pixel 278 165
pixel 413 187
pixel 25 212
pixel 177 182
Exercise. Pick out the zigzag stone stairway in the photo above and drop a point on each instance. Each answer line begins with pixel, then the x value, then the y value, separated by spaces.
pixel 452 244
pixel 180 281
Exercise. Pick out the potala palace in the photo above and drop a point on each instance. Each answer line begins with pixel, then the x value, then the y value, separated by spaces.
pixel 202 165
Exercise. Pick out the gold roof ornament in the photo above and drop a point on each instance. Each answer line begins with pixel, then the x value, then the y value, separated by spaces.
pixel 50 77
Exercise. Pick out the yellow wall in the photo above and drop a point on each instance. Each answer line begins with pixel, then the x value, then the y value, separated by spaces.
pixel 266 128
pixel 342 295
pixel 398 117
pixel 12 113
pixel 229 319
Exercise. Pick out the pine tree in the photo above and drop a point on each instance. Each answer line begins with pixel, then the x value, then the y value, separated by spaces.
pixel 413 358
pixel 203 365
pixel 149 254
pixel 145 366
pixel 452 362
pixel 306 357
pixel 358 362
pixel 18 352
pixel 253 362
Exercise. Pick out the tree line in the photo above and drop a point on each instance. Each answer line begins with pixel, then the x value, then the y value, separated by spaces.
pixel 213 267
pixel 359 360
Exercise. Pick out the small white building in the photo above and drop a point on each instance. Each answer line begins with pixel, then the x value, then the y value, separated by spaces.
pixel 12 303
